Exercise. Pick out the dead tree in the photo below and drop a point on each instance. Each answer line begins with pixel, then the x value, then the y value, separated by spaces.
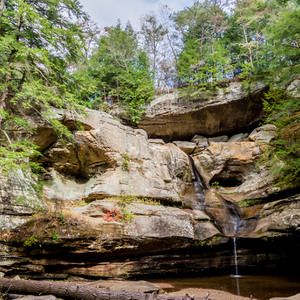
pixel 76 291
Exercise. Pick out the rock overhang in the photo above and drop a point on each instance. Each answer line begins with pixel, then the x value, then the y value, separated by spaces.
pixel 173 117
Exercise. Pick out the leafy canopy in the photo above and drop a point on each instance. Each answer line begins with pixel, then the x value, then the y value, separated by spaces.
pixel 38 40
pixel 121 72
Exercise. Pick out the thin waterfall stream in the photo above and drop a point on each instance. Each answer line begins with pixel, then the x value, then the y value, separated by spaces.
pixel 232 225
pixel 198 185
pixel 236 276
pixel 231 207
pixel 235 258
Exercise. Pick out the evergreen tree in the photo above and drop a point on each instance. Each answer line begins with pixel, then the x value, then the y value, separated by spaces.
pixel 38 39
pixel 121 71
pixel 204 59
pixel 283 52
pixel 282 40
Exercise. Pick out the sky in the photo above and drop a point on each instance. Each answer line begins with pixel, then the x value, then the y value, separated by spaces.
pixel 107 12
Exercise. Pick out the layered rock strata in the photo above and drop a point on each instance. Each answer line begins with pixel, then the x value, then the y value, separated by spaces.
pixel 175 117
pixel 120 204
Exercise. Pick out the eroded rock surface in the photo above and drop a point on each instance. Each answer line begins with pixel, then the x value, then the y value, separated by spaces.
pixel 231 167
pixel 99 223
pixel 280 216
pixel 172 117
pixel 111 159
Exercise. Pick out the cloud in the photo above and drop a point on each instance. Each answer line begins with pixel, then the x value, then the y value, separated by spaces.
pixel 107 12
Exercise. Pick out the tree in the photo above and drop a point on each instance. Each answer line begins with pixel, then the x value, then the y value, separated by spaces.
pixel 76 291
pixel 153 33
pixel 282 109
pixel 204 59
pixel 120 71
pixel 38 40
pixel 282 35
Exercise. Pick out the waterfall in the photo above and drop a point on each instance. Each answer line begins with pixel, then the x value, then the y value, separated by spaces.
pixel 231 207
pixel 229 225
pixel 235 258
pixel 198 185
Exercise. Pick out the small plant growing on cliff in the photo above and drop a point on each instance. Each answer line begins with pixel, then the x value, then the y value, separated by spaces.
pixel 216 184
pixel 55 237
pixel 125 162
pixel 127 216
pixel 32 241
pixel 187 175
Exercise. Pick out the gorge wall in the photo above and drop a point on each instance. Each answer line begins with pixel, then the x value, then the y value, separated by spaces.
pixel 119 204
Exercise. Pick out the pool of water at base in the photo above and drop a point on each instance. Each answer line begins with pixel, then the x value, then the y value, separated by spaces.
pixel 262 287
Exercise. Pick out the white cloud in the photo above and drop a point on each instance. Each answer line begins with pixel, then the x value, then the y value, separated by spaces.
pixel 107 12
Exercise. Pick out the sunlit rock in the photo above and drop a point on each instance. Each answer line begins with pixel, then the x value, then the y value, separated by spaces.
pixel 175 117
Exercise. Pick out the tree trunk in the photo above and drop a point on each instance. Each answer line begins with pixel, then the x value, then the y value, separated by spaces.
pixel 246 40
pixel 2 5
pixel 75 291
pixel 4 96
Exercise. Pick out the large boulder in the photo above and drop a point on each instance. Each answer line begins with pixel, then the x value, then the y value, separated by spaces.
pixel 173 117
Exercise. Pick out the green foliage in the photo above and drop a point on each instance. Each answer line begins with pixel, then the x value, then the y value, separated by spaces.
pixel 38 41
pixel 127 215
pixel 251 202
pixel 121 211
pixel 43 227
pixel 283 34
pixel 128 199
pixel 55 237
pixel 120 72
pixel 125 162
pixel 208 242
pixel 260 37
pixel 30 242
pixel 204 58
pixel 215 184
pixel 282 154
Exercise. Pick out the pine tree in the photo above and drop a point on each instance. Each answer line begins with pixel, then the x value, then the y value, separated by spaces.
pixel 282 36
pixel 121 71
pixel 38 39
pixel 204 59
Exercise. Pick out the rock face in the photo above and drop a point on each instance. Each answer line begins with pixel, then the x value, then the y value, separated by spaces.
pixel 110 159
pixel 231 167
pixel 281 215
pixel 120 205
pixel 18 200
pixel 172 117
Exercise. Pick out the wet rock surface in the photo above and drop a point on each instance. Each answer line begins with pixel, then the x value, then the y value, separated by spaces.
pixel 231 169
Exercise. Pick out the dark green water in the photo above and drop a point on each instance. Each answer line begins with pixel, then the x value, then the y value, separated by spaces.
pixel 261 287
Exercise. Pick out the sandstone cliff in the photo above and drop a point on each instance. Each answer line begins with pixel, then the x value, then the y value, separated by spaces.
pixel 117 203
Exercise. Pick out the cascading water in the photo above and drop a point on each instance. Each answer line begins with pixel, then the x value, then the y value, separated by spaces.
pixel 235 259
pixel 198 185
pixel 236 276
pixel 230 225
pixel 236 221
